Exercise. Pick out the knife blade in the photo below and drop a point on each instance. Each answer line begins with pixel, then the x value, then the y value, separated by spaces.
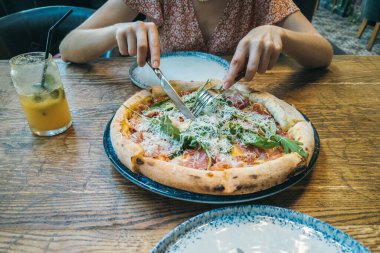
pixel 170 91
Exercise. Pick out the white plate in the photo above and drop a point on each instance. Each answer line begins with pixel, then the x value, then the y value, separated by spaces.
pixel 256 228
pixel 182 65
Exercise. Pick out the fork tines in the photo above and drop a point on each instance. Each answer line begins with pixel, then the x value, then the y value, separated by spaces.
pixel 203 99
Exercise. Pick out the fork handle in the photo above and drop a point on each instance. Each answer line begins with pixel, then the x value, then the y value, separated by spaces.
pixel 240 75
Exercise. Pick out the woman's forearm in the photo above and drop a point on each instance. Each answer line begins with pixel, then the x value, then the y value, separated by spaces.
pixel 84 45
pixel 97 34
pixel 309 49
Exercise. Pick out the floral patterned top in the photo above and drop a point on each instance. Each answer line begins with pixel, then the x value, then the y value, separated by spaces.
pixel 179 28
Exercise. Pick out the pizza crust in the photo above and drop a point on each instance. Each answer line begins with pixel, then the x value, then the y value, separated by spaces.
pixel 126 150
pixel 285 114
pixel 303 132
pixel 230 181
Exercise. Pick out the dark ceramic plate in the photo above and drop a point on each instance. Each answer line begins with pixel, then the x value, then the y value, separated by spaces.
pixel 170 192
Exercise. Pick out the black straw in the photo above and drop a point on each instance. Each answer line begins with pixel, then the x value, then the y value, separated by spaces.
pixel 48 43
pixel 51 30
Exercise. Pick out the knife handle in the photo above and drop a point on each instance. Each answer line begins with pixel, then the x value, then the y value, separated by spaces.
pixel 148 62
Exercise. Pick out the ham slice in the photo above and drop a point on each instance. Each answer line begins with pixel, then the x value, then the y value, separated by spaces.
pixel 238 100
pixel 196 159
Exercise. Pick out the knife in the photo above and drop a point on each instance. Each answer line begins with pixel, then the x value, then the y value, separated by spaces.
pixel 170 91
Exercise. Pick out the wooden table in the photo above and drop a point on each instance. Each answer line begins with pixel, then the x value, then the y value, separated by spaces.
pixel 62 193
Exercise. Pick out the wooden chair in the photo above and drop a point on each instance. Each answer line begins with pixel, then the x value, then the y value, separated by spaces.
pixel 308 8
pixel 371 12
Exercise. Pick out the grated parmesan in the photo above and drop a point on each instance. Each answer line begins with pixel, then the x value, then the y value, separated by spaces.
pixel 211 128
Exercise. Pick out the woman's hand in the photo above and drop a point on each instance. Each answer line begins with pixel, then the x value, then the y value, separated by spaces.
pixel 139 38
pixel 258 51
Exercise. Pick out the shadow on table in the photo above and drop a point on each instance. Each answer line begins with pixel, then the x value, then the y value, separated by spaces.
pixel 286 198
pixel 298 80
pixel 146 199
pixel 153 211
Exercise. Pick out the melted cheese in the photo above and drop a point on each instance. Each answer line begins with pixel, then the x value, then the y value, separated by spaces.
pixel 155 145
pixel 211 129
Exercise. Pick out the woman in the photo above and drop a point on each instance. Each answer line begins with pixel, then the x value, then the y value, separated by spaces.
pixel 254 31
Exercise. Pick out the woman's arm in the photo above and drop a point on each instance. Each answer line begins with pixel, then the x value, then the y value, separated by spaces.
pixel 97 34
pixel 302 42
pixel 259 50
pixel 111 26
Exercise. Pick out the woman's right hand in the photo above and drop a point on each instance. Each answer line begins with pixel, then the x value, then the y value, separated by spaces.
pixel 139 38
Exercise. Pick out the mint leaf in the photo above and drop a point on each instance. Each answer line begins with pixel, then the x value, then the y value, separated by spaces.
pixel 49 81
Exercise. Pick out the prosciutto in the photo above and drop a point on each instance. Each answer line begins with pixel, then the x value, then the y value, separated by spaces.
pixel 238 100
pixel 196 159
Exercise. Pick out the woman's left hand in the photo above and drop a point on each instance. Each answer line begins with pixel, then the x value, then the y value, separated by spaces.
pixel 262 47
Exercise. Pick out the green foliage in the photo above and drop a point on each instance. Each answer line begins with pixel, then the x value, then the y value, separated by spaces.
pixel 168 128
pixel 205 148
pixel 163 105
pixel 253 139
pixel 187 141
pixel 248 129
pixel 250 138
pixel 290 145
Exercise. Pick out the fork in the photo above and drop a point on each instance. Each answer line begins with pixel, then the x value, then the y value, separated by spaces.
pixel 205 97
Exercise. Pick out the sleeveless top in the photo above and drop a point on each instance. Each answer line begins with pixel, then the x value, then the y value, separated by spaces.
pixel 179 29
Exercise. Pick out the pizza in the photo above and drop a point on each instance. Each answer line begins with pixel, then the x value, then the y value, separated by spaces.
pixel 243 142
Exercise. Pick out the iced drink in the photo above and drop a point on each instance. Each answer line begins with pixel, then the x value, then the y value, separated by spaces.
pixel 45 106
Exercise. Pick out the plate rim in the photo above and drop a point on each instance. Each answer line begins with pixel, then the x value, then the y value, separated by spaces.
pixel 328 231
pixel 219 60
pixel 200 197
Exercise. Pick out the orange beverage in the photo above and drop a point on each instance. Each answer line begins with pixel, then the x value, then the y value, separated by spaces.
pixel 45 106
pixel 47 110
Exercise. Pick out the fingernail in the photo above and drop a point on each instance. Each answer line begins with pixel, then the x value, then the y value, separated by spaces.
pixel 155 64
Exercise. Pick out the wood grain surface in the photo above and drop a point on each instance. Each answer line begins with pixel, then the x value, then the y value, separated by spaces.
pixel 61 194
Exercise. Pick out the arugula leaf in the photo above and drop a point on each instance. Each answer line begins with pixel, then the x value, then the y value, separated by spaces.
pixel 163 105
pixel 290 145
pixel 235 129
pixel 250 138
pixel 167 127
pixel 189 142
pixel 176 154
pixel 253 139
pixel 208 155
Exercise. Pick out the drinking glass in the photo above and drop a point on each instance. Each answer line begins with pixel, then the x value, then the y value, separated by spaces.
pixel 44 102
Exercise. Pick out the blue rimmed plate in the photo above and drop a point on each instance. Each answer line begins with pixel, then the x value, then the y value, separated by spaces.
pixel 256 228
pixel 167 191
pixel 181 65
